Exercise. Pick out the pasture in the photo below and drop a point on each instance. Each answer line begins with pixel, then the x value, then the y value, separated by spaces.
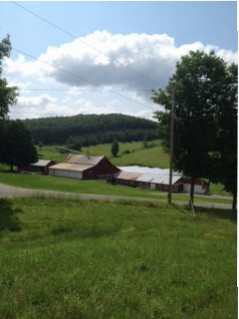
pixel 129 153
pixel 66 259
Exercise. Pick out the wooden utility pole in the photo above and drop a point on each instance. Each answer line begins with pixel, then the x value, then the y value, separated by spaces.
pixel 170 190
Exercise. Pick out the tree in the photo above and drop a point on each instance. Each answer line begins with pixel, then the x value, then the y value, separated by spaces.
pixel 115 148
pixel 17 148
pixel 199 84
pixel 224 168
pixel 8 95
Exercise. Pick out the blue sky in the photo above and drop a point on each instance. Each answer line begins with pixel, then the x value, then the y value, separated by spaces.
pixel 147 38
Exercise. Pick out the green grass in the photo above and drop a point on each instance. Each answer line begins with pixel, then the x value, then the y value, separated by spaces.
pixel 129 154
pixel 79 259
pixel 55 153
pixel 133 154
pixel 93 187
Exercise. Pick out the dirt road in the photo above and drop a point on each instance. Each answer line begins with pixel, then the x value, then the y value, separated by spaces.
pixel 7 191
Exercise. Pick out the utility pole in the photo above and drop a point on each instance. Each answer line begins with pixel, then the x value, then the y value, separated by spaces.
pixel 170 190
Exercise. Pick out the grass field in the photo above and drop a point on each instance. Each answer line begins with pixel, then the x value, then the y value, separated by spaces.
pixel 78 259
pixel 129 154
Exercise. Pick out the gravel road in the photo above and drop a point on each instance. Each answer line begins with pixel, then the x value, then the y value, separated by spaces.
pixel 7 191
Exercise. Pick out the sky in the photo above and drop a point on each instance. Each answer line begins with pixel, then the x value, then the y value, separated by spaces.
pixel 105 57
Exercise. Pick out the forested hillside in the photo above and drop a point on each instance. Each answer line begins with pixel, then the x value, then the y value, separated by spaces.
pixel 84 130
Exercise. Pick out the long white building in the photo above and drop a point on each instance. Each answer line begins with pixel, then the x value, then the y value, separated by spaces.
pixel 157 179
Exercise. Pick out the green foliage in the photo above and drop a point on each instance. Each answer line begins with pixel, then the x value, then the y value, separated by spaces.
pixel 75 259
pixel 115 148
pixel 205 95
pixel 227 138
pixel 17 146
pixel 8 95
pixel 74 143
pixel 91 129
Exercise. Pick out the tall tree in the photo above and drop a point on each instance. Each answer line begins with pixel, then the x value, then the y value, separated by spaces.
pixel 226 157
pixel 8 95
pixel 115 148
pixel 18 148
pixel 199 83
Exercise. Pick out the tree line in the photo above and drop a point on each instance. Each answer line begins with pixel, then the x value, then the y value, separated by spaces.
pixel 85 130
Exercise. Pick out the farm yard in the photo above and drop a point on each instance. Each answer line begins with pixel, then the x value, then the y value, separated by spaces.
pixel 133 257
pixel 130 154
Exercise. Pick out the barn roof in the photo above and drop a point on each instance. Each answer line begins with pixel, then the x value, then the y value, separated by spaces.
pixel 144 169
pixel 41 163
pixel 150 175
pixel 71 167
pixel 83 159
pixel 78 163
pixel 130 176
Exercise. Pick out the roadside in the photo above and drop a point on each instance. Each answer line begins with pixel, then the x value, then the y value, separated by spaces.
pixel 7 191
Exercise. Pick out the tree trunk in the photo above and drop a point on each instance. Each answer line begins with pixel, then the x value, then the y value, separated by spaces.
pixel 11 167
pixel 234 201
pixel 192 190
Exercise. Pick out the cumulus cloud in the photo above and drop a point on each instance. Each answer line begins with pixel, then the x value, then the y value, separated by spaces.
pixel 133 61
pixel 35 106
pixel 114 64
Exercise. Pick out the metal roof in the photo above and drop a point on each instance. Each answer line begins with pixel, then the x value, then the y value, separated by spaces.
pixel 151 175
pixel 131 176
pixel 83 159
pixel 41 163
pixel 71 167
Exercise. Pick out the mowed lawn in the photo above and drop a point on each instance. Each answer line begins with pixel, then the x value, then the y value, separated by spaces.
pixel 85 259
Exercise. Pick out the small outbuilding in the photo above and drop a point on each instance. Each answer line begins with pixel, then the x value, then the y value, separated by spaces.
pixel 40 167
pixel 84 167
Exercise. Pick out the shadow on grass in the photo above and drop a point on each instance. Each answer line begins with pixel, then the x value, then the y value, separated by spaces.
pixel 9 217
pixel 211 212
pixel 219 213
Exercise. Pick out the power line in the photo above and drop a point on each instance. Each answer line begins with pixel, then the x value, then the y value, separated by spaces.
pixel 75 90
pixel 85 43
pixel 81 78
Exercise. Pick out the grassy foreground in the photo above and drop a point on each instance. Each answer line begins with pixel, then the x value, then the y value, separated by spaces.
pixel 80 259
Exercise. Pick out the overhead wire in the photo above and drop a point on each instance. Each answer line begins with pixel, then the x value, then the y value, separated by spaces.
pixel 81 78
pixel 113 91
pixel 84 42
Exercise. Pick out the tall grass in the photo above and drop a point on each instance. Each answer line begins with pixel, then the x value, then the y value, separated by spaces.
pixel 72 259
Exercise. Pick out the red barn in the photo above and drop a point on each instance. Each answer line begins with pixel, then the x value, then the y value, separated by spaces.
pixel 84 167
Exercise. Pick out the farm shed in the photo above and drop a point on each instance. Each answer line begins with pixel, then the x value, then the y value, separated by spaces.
pixel 39 167
pixel 127 178
pixel 84 167
pixel 157 179
pixel 201 187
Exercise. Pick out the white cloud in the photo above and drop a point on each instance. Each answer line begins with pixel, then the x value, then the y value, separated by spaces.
pixel 87 107
pixel 134 63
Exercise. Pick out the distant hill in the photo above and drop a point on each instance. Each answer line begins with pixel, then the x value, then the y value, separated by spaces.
pixel 85 130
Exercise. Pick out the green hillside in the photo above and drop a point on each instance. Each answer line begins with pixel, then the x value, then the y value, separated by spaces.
pixel 134 153
pixel 92 129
